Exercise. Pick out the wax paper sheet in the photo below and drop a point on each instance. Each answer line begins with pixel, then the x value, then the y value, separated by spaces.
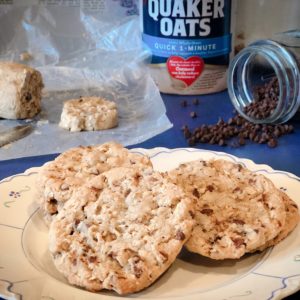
pixel 82 48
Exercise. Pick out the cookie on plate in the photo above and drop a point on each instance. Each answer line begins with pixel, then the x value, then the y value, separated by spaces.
pixel 88 114
pixel 292 220
pixel 121 231
pixel 237 211
pixel 57 180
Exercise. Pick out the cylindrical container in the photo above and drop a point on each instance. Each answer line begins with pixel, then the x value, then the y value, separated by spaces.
pixel 190 41
pixel 264 80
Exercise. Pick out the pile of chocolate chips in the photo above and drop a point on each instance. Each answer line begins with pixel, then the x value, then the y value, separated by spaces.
pixel 237 130
pixel 265 100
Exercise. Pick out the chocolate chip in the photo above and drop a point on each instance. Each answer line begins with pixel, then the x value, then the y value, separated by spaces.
pixel 206 211
pixel 196 193
pixel 290 128
pixel 196 101
pixel 193 115
pixel 231 121
pixel 256 138
pixel 192 214
pixel 184 127
pixel 164 255
pixel 242 141
pixel 210 188
pixel 53 201
pixel 28 97
pixel 192 141
pixel 187 134
pixel 92 259
pixel 238 221
pixel 272 143
pixel 112 255
pixel 277 132
pixel 137 271
pixel 222 142
pixel 212 140
pixel 183 103
pixel 74 261
pixel 238 242
pixel 180 235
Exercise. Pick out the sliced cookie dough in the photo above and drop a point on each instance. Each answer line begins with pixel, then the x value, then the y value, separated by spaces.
pixel 20 91
pixel 88 114
pixel 121 231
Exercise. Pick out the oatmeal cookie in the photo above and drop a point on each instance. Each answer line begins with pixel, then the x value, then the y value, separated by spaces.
pixel 292 220
pixel 121 230
pixel 57 180
pixel 237 211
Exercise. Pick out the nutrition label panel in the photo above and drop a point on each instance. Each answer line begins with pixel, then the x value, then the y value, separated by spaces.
pixel 85 4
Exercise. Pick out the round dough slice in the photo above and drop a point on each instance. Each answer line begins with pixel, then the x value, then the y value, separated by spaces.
pixel 20 91
pixel 57 180
pixel 88 114
pixel 237 210
pixel 121 231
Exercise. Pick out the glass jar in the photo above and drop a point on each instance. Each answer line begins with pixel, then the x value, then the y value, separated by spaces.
pixel 263 78
pixel 255 67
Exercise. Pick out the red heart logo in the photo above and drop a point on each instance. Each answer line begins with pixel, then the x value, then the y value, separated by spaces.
pixel 186 70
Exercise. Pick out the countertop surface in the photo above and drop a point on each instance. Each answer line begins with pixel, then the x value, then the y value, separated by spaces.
pixel 285 157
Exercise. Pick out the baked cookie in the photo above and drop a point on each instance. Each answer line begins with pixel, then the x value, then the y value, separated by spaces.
pixel 20 91
pixel 89 113
pixel 237 211
pixel 292 220
pixel 57 180
pixel 121 230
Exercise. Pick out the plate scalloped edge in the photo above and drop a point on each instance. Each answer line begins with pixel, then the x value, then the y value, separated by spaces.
pixel 250 164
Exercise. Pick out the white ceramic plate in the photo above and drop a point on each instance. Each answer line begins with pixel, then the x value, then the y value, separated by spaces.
pixel 27 272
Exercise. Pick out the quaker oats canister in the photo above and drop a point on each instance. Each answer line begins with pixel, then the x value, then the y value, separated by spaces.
pixel 190 42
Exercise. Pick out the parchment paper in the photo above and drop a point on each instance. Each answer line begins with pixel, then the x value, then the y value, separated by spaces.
pixel 81 48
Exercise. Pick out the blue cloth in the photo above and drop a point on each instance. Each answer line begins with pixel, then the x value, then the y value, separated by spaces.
pixel 285 157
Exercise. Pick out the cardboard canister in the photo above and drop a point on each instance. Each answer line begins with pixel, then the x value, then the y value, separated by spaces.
pixel 190 42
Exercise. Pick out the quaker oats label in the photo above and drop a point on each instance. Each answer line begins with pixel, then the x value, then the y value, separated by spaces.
pixel 190 42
